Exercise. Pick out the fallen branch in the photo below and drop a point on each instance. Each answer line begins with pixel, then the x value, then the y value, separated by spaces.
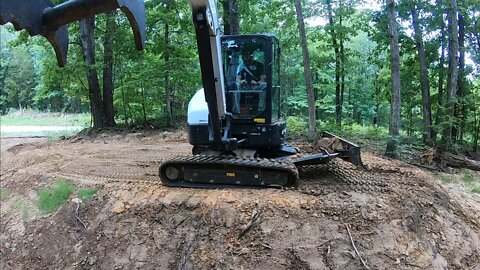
pixel 449 159
pixel 255 217
pixel 459 161
pixel 76 214
pixel 424 166
pixel 355 247
pixel 266 246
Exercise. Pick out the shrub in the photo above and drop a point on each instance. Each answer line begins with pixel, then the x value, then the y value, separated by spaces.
pixel 87 193
pixel 51 199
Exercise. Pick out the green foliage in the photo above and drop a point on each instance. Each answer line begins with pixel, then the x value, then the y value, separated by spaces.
pixel 20 80
pixel 3 193
pixel 297 126
pixel 20 206
pixel 468 177
pixel 445 178
pixel 51 199
pixel 29 76
pixel 35 118
pixel 86 194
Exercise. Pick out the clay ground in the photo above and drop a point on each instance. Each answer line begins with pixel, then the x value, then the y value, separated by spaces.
pixel 398 216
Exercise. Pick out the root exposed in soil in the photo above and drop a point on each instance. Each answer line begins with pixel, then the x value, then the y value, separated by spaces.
pixel 398 216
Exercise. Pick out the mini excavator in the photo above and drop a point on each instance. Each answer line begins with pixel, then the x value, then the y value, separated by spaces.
pixel 234 123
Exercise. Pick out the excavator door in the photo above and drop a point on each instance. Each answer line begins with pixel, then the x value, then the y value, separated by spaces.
pixel 251 66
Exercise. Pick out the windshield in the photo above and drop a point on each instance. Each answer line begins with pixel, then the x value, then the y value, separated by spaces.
pixel 246 84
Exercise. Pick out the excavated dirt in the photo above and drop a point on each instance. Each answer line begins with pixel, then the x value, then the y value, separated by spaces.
pixel 397 215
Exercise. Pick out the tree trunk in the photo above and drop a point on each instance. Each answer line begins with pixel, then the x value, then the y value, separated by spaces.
pixel 424 80
pixel 144 110
pixel 342 77
pixel 308 74
pixel 460 113
pixel 452 68
pixel 376 118
pixel 87 27
pixel 394 128
pixel 234 18
pixel 441 77
pixel 124 103
pixel 108 70
pixel 226 17
pixel 342 64
pixel 338 67
pixel 168 85
pixel 476 129
pixel 231 22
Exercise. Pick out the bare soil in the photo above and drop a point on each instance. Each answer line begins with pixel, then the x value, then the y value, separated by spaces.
pixel 399 217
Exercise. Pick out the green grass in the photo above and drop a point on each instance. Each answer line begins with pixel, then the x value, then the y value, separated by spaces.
pixel 51 199
pixel 49 134
pixel 468 177
pixel 445 178
pixel 21 206
pixel 32 118
pixel 3 193
pixel 476 190
pixel 86 194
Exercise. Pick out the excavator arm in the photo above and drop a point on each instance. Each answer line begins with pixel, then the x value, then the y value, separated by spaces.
pixel 207 30
pixel 42 17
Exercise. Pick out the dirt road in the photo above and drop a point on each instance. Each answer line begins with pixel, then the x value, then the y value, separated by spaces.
pixel 398 217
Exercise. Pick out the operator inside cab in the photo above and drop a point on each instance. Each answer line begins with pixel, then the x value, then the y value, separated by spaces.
pixel 250 73
pixel 250 93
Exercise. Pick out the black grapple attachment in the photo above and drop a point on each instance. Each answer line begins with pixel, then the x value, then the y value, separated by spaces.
pixel 42 17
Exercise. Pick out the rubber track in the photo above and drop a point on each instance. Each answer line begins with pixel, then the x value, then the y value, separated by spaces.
pixel 219 162
pixel 340 177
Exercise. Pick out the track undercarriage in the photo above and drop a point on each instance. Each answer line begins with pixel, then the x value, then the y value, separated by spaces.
pixel 213 171
pixel 225 171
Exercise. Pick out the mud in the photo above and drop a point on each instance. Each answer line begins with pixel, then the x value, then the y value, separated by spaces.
pixel 398 216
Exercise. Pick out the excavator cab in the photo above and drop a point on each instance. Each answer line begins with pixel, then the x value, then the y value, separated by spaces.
pixel 252 85
pixel 251 68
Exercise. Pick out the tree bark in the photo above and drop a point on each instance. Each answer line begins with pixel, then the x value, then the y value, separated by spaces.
pixel 226 17
pixel 342 63
pixel 376 118
pixel 342 78
pixel 87 41
pixel 476 129
pixel 234 17
pixel 108 70
pixel 338 67
pixel 231 22
pixel 460 106
pixel 453 70
pixel 394 128
pixel 168 85
pixel 424 80
pixel 144 110
pixel 441 76
pixel 308 74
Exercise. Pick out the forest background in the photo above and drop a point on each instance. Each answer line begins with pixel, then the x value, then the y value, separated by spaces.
pixel 401 71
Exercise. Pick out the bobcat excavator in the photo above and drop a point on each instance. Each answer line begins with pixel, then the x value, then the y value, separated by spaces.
pixel 234 123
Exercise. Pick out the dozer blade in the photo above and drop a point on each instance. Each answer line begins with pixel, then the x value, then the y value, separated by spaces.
pixel 216 172
pixel 42 17
pixel 347 151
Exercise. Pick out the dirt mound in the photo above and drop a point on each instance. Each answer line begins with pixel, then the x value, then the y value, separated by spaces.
pixel 398 216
